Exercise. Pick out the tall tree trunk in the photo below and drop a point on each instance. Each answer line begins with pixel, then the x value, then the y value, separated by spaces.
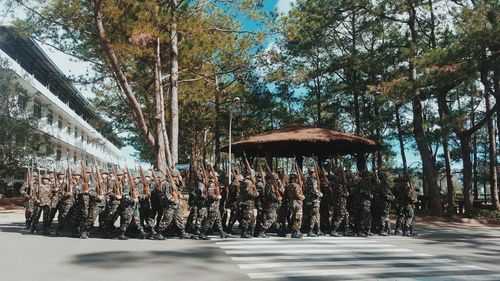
pixel 418 126
pixel 163 147
pixel 491 136
pixel 474 148
pixel 493 158
pixel 467 171
pixel 174 80
pixel 400 139
pixel 446 150
pixel 217 122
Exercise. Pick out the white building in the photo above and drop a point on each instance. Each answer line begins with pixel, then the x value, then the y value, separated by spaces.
pixel 63 113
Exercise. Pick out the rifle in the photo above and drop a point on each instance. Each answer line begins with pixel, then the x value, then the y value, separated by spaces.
pixel 69 186
pixel 116 185
pixel 39 182
pixel 216 181
pixel 171 181
pixel 316 171
pixel 249 169
pixel 262 175
pixel 145 185
pixel 235 176
pixel 131 184
pixel 29 176
pixel 205 177
pixel 344 179
pixel 85 179
pixel 100 190
pixel 273 180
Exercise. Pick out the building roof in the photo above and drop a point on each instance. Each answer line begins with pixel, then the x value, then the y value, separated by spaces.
pixel 304 140
pixel 34 60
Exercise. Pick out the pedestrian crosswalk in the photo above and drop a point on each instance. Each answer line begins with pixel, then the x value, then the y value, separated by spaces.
pixel 344 258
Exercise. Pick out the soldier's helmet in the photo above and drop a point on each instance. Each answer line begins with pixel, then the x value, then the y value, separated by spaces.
pixel 176 173
pixel 61 173
pixel 159 174
pixel 148 174
pixel 293 175
pixel 104 171
pixel 46 176
pixel 77 172
pixel 35 174
pixel 137 176
pixel 120 172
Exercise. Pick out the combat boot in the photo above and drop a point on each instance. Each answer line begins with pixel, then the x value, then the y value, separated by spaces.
pixel 84 235
pixel 297 234
pixel 203 236
pixel 412 233
pixel 245 234
pixel 223 234
pixel 183 235
pixel 311 234
pixel 159 236
pixel 334 233
pixel 122 236
pixel 142 234
pixel 263 234
pixel 320 233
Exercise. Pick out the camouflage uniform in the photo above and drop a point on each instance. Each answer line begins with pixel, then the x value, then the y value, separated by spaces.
pixel 272 199
pixel 406 197
pixel 96 204
pixel 326 207
pixel 364 196
pixel 64 206
pixel 313 197
pixel 129 213
pixel 283 214
pixel 213 213
pixel 248 193
pixel 295 198
pixel 172 211
pixel 156 195
pixel 43 200
pixel 147 215
pixel 340 213
pixel 200 202
pixel 29 202
pixel 382 201
pixel 259 203
pixel 56 199
pixel 193 211
pixel 232 203
pixel 111 212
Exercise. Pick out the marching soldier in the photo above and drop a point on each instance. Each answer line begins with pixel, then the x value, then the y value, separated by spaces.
pixel 66 201
pixel 172 212
pixel 29 198
pixel 406 197
pixel 248 193
pixel 232 201
pixel 259 203
pixel 340 213
pixel 147 215
pixel 213 211
pixel 295 198
pixel 43 192
pixel 271 201
pixel 313 198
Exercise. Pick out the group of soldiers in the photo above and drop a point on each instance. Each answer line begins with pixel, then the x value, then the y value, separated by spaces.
pixel 148 203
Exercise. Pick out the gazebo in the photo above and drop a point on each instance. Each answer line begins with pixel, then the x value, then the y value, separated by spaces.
pixel 299 140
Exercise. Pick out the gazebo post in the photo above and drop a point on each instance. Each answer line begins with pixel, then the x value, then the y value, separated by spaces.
pixel 361 161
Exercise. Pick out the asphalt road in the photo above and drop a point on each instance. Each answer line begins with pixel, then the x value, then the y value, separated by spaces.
pixel 446 252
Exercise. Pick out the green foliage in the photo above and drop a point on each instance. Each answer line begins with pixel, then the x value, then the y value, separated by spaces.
pixel 481 213
pixel 19 141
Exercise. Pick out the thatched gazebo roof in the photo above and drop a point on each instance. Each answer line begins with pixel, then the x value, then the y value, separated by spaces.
pixel 302 140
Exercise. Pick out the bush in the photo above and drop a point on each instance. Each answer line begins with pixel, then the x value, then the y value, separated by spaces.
pixel 481 213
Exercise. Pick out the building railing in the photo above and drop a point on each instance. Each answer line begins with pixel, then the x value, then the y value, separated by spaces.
pixel 62 133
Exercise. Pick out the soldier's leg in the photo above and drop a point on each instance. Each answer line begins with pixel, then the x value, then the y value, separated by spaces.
pixel 232 218
pixel 246 212
pixel 53 212
pixel 200 217
pixel 314 220
pixel 168 215
pixel 207 224
pixel 179 222
pixel 193 210
pixel 30 207
pixel 296 220
pixel 125 220
pixel 46 219
pixel 35 217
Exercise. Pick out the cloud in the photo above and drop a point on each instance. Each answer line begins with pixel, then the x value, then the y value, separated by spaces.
pixel 284 6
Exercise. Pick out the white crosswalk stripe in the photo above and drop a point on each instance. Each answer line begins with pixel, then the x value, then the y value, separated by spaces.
pixel 344 258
